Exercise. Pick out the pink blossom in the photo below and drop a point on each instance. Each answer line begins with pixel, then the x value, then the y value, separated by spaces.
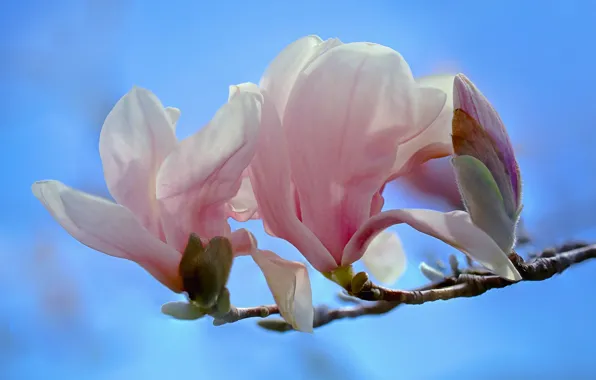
pixel 335 121
pixel 339 121
pixel 163 189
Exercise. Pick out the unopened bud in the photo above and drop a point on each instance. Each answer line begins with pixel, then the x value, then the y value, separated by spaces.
pixel 264 312
pixel 205 270
pixel 360 282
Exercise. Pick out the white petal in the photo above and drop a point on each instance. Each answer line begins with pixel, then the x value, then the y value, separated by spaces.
pixel 204 172
pixel 173 114
pixel 280 75
pixel 183 311
pixel 435 140
pixel 443 83
pixel 109 228
pixel 243 87
pixel 385 257
pixel 290 285
pixel 136 137
pixel 454 228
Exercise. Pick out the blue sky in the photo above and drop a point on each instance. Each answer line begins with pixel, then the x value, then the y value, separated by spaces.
pixel 64 64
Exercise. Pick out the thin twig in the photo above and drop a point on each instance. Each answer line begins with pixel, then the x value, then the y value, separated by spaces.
pixel 324 315
pixel 237 313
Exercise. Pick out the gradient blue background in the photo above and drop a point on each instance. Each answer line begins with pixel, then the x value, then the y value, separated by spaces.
pixel 67 312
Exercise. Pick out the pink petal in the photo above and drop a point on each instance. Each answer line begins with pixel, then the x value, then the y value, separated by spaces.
pixel 377 202
pixel 435 178
pixel 435 140
pixel 204 172
pixel 244 204
pixel 468 98
pixel 385 257
pixel 290 286
pixel 454 228
pixel 243 242
pixel 136 137
pixel 347 114
pixel 109 228
pixel 271 180
pixel 280 75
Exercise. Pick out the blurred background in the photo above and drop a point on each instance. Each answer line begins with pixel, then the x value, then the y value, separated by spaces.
pixel 67 312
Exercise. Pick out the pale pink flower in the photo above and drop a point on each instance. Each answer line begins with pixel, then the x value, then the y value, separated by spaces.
pixel 163 189
pixel 338 122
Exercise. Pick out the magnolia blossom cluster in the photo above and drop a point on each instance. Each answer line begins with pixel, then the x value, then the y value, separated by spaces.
pixel 309 151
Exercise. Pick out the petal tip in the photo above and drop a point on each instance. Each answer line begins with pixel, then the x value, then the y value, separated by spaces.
pixel 461 87
pixel 37 188
pixel 513 274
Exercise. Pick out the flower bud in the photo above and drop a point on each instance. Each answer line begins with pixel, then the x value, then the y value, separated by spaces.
pixel 205 270
pixel 360 282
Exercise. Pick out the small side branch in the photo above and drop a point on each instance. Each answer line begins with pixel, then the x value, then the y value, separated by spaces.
pixel 238 313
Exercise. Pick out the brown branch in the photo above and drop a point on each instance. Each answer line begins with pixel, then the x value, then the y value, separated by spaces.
pixel 472 285
pixel 238 313
pixel 324 315
pixel 467 283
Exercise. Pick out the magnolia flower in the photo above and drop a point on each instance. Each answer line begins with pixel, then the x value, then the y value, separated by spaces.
pixel 164 189
pixel 338 122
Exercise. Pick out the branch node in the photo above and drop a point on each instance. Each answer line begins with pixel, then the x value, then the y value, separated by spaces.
pixel 264 312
